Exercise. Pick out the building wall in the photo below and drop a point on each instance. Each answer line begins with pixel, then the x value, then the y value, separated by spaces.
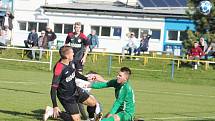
pixel 29 10
pixel 173 27
pixel 111 43
pixel 177 25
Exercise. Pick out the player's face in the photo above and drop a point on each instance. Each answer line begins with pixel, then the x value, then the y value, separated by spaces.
pixel 77 28
pixel 69 55
pixel 122 77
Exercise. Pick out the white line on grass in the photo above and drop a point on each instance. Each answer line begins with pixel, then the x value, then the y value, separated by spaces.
pixel 177 93
pixel 184 117
pixel 10 82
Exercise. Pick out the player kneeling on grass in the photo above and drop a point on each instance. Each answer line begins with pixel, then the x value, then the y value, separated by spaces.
pixel 124 106
pixel 64 86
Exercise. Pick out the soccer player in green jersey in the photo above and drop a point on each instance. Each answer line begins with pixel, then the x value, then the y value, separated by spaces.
pixel 124 106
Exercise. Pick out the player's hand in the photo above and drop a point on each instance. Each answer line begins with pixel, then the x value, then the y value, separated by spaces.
pixel 99 78
pixel 83 60
pixel 91 77
pixel 56 112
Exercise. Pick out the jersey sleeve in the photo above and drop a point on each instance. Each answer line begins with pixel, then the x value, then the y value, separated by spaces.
pixel 80 76
pixel 86 41
pixel 99 85
pixel 68 38
pixel 119 101
pixel 57 75
pixel 55 83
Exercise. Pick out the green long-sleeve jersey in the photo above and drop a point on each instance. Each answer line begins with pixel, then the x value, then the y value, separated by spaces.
pixel 124 94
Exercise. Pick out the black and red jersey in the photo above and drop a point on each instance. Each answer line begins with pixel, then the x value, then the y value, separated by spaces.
pixel 78 44
pixel 64 80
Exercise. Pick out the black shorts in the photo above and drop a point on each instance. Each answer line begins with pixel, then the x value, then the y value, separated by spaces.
pixel 78 65
pixel 71 106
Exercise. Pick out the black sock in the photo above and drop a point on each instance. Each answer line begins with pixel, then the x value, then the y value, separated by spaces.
pixel 65 116
pixel 91 111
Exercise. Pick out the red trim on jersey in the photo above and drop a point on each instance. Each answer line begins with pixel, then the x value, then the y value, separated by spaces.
pixel 70 34
pixel 58 69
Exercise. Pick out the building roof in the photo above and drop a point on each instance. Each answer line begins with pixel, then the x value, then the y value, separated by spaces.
pixel 112 9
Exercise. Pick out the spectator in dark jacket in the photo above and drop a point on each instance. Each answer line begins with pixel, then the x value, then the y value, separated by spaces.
pixel 94 42
pixel 32 39
pixel 144 44
pixel 7 21
pixel 51 36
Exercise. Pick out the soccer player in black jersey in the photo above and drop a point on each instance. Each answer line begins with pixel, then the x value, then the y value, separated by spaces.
pixel 80 44
pixel 64 86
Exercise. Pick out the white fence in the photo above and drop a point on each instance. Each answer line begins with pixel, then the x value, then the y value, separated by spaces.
pixel 49 52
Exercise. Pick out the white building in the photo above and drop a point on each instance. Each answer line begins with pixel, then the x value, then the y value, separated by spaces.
pixel 112 21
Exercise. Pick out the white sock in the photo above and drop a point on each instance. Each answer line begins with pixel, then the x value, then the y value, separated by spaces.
pixel 98 109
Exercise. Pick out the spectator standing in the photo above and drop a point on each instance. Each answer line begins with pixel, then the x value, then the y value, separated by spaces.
pixel 211 49
pixel 93 38
pixel 8 21
pixel 131 45
pixel 195 54
pixel 42 43
pixel 203 44
pixel 8 26
pixel 144 44
pixel 51 36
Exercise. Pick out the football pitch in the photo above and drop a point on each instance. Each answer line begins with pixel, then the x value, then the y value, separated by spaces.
pixel 24 92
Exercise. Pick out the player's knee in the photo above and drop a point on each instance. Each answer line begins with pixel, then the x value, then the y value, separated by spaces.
pixel 116 118
pixel 92 101
pixel 76 117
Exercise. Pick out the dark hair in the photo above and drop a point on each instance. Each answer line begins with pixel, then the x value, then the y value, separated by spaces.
pixel 63 50
pixel 126 69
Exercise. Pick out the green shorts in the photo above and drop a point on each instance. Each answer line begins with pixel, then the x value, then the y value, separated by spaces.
pixel 124 116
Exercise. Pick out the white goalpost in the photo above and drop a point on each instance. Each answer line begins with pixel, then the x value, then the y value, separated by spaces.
pixel 49 52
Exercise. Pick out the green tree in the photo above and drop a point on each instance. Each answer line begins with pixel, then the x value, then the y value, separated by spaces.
pixel 205 24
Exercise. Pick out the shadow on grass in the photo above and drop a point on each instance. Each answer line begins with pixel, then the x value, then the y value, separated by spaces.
pixel 20 90
pixel 36 114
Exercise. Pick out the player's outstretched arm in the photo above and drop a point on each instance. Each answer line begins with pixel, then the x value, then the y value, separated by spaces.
pixel 80 76
pixel 100 85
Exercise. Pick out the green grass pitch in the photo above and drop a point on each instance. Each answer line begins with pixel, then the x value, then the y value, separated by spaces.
pixel 24 90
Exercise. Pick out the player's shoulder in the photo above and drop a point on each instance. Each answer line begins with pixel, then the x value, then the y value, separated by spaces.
pixel 127 86
pixel 58 68
pixel 82 35
pixel 70 34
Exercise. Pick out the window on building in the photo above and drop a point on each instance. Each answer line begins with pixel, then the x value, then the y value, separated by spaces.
pixel 183 35
pixel 96 28
pixel 117 31
pixel 135 30
pixel 42 27
pixel 68 28
pixel 58 28
pixel 22 25
pixel 156 33
pixel 173 35
pixel 105 31
pixel 32 25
